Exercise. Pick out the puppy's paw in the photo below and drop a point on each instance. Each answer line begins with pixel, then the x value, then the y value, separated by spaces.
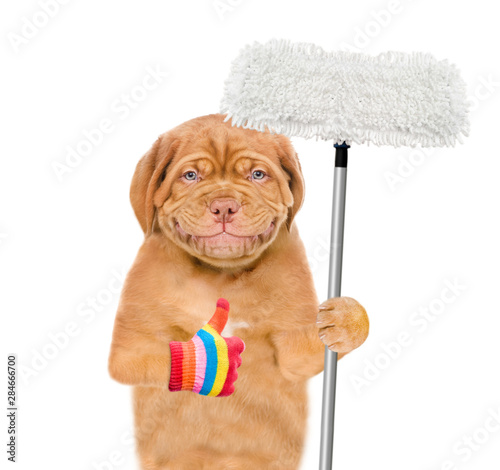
pixel 343 324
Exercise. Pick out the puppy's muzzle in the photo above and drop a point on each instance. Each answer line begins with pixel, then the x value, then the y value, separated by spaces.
pixel 224 209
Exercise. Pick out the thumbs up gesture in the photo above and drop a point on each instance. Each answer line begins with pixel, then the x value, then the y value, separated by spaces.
pixel 207 363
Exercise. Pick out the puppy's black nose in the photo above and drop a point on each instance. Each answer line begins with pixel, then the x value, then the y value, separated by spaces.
pixel 224 208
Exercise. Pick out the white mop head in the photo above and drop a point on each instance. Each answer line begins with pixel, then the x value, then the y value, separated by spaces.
pixel 391 99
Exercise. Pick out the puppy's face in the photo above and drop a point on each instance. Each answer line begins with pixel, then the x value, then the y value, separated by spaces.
pixel 224 201
pixel 224 193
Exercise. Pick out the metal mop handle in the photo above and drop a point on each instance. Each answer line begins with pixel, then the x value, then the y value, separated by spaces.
pixel 335 277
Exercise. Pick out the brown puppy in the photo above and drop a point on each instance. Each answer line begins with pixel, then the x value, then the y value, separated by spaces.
pixel 217 204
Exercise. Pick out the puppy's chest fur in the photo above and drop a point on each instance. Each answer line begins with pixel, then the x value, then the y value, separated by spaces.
pixel 243 320
pixel 196 299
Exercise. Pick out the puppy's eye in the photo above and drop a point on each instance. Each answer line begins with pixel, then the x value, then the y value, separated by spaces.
pixel 191 176
pixel 258 175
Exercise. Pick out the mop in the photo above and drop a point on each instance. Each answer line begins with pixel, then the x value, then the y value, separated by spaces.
pixel 395 98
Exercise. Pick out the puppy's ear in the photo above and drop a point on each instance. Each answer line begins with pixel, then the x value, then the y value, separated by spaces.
pixel 290 163
pixel 149 174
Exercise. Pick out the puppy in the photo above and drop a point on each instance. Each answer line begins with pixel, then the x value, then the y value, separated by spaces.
pixel 216 204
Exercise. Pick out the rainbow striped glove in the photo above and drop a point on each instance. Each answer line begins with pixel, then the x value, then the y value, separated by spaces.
pixel 207 364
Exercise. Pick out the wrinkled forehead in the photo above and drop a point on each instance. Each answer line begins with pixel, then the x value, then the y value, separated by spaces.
pixel 225 144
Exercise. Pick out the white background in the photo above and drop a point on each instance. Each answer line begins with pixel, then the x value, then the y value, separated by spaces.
pixel 62 241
